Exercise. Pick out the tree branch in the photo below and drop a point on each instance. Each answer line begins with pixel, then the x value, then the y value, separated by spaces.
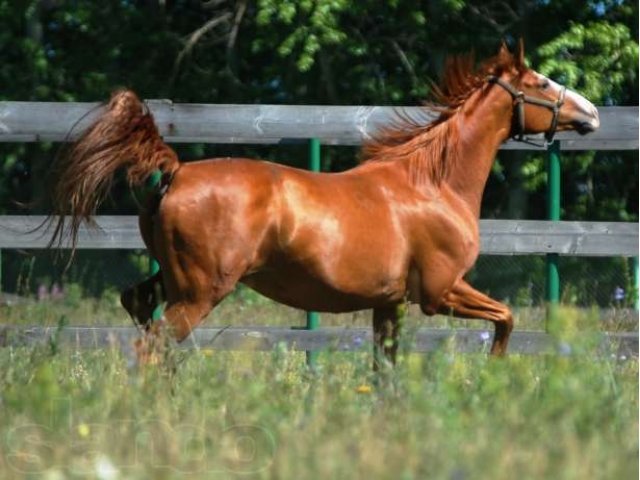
pixel 233 35
pixel 405 62
pixel 211 4
pixel 194 38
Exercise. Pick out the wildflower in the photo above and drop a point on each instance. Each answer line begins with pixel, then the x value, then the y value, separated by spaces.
pixel 105 469
pixel 564 349
pixel 363 388
pixel 485 336
pixel 43 293
pixel 84 430
pixel 207 352
pixel 618 294
pixel 57 293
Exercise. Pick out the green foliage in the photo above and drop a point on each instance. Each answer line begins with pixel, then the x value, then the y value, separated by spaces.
pixel 598 59
pixel 318 26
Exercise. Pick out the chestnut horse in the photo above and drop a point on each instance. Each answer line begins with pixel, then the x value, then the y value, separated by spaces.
pixel 403 224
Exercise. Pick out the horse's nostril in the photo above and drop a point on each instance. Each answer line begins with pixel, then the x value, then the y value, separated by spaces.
pixel 588 127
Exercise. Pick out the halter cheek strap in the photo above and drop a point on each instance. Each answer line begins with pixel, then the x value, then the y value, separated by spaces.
pixel 519 99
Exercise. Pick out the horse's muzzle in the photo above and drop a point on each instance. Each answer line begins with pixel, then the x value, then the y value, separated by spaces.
pixel 588 122
pixel 587 127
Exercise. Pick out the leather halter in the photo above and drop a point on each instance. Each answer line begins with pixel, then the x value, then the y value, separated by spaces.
pixel 519 99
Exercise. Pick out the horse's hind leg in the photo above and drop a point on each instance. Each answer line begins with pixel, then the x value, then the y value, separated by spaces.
pixel 142 299
pixel 184 311
pixel 386 327
pixel 462 300
pixel 195 281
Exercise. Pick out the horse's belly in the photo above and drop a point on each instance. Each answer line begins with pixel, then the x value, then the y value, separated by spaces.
pixel 301 290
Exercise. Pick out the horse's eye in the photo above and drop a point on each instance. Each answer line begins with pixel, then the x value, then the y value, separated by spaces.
pixel 544 85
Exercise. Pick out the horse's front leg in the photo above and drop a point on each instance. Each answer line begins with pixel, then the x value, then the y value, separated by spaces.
pixel 386 328
pixel 463 301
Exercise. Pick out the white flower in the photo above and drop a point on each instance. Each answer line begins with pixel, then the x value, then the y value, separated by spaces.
pixel 105 469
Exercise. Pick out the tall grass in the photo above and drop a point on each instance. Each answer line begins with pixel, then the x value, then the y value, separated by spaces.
pixel 264 415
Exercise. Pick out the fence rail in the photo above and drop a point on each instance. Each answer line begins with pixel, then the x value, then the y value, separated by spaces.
pixel 326 338
pixel 276 124
pixel 497 237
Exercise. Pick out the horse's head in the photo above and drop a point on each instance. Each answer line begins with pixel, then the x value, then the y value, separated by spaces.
pixel 540 104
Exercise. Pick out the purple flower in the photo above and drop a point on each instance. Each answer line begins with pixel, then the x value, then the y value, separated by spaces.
pixel 43 293
pixel 564 349
pixel 618 294
pixel 56 292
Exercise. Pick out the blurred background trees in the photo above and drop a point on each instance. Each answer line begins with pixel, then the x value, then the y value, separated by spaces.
pixel 335 52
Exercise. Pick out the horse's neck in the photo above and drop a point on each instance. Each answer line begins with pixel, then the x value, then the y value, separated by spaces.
pixel 483 124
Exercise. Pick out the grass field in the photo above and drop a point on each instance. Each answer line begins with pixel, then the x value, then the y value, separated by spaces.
pixel 66 414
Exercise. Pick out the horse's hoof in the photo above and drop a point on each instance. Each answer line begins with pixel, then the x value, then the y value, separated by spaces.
pixel 146 354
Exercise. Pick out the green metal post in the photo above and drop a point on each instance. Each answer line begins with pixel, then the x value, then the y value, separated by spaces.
pixel 313 318
pixel 636 284
pixel 553 213
pixel 154 267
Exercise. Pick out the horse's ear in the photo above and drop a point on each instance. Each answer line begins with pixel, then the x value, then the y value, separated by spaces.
pixel 504 57
pixel 504 49
pixel 520 62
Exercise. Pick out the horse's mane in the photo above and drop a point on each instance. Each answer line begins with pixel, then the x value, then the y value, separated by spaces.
pixel 431 147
